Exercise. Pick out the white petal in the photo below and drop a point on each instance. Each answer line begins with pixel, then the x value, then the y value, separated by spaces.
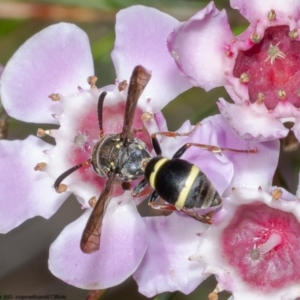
pixel 122 247
pixel 25 193
pixel 166 265
pixel 55 60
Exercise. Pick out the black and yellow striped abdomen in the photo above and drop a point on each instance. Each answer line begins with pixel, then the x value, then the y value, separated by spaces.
pixel 181 183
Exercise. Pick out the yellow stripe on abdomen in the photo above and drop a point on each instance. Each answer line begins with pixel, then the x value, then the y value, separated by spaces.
pixel 157 166
pixel 187 187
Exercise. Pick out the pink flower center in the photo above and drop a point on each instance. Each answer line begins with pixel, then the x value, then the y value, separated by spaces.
pixel 271 68
pixel 263 245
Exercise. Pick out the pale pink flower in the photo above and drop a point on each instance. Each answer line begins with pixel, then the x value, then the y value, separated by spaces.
pixel 253 245
pixel 58 60
pixel 259 68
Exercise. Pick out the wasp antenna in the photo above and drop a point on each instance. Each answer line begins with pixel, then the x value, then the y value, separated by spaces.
pixel 100 112
pixel 59 179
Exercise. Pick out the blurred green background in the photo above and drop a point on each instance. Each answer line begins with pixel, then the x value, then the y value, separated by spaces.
pixel 24 251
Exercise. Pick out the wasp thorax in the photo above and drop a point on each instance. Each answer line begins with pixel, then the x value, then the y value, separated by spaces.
pixel 125 160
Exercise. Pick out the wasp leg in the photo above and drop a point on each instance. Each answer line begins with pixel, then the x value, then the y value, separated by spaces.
pixel 207 218
pixel 179 153
pixel 152 203
pixel 155 142
pixel 215 149
pixel 165 207
pixel 174 133
pixel 142 189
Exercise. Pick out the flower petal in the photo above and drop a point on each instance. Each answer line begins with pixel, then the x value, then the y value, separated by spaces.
pixel 166 265
pixel 250 169
pixel 123 245
pixel 216 167
pixel 141 34
pixel 25 193
pixel 199 46
pixel 256 169
pixel 253 10
pixel 257 123
pixel 55 60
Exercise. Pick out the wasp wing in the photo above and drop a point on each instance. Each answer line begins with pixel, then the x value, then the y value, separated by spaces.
pixel 90 240
pixel 138 81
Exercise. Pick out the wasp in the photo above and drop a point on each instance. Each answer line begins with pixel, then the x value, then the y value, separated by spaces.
pixel 181 184
pixel 118 157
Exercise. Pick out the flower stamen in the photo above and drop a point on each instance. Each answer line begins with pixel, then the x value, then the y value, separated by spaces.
pixel 273 53
pixel 54 97
pixel 92 202
pixel 260 98
pixel 92 81
pixel 271 15
pixel 40 166
pixel 276 194
pixel 42 133
pixel 122 85
pixel 146 116
pixel 244 78
pixel 293 34
pixel 62 188
pixel 255 38
pixel 281 94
